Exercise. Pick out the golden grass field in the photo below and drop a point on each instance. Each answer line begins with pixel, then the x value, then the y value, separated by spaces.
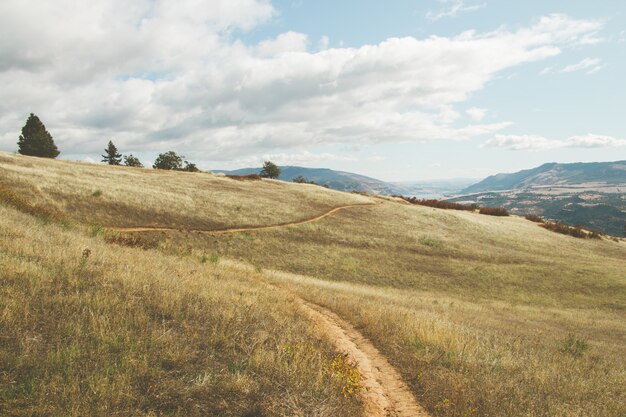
pixel 482 316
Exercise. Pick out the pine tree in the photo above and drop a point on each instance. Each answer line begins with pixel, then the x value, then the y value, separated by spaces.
pixel 35 139
pixel 270 170
pixel 112 157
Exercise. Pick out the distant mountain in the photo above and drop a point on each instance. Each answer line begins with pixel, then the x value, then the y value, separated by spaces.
pixel 553 174
pixel 589 194
pixel 337 180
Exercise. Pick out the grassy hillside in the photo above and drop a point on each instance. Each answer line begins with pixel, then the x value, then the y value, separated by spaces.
pixel 481 316
pixel 89 328
pixel 122 196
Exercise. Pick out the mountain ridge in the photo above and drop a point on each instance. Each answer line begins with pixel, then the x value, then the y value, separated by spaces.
pixel 553 174
pixel 337 180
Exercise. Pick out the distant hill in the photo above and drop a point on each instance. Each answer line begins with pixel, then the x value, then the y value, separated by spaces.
pixel 589 194
pixel 337 180
pixel 553 174
pixel 436 189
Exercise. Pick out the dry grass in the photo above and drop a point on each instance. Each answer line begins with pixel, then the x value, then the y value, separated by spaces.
pixel 464 358
pixel 122 196
pixel 88 328
pixel 483 316
pixel 488 307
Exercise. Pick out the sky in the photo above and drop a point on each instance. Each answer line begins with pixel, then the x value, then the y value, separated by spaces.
pixel 398 90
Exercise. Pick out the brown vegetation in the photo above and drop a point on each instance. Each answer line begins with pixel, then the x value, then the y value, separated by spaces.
pixel 493 211
pixel 534 218
pixel 575 231
pixel 439 204
pixel 249 177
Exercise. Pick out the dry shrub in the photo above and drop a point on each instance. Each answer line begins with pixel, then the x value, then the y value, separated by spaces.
pixel 534 218
pixel 493 211
pixel 575 231
pixel 439 203
pixel 249 177
pixel 133 241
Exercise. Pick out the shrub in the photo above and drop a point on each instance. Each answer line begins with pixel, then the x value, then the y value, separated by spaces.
pixel 574 346
pixel 575 231
pixel 303 180
pixel 249 177
pixel 96 193
pixel 438 203
pixel 493 211
pixel 534 218
pixel 132 241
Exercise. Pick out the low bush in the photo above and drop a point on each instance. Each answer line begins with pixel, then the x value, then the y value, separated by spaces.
pixel 493 211
pixel 575 231
pixel 132 241
pixel 249 177
pixel 574 346
pixel 438 203
pixel 534 218
pixel 303 180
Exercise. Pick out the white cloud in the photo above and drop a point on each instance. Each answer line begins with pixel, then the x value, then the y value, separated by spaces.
pixel 284 43
pixel 454 8
pixel 622 36
pixel 535 143
pixel 161 75
pixel 476 113
pixel 546 70
pixel 590 64
pixel 323 43
pixel 304 158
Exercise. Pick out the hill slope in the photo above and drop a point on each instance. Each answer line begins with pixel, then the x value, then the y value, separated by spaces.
pixel 479 315
pixel 337 180
pixel 589 194
pixel 553 174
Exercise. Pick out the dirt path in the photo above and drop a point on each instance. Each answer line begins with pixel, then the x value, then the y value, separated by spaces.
pixel 385 394
pixel 238 229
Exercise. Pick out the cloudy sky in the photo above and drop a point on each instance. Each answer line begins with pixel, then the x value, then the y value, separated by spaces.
pixel 398 90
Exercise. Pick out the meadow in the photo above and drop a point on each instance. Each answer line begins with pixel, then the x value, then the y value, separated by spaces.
pixel 481 315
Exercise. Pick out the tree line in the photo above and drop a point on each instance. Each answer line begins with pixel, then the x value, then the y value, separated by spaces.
pixel 35 140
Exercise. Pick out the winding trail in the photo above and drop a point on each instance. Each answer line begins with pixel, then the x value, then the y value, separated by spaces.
pixel 140 229
pixel 384 393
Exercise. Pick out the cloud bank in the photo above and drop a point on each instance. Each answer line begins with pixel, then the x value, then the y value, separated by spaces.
pixel 157 75
pixel 535 143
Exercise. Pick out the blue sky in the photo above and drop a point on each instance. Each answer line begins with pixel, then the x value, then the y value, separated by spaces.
pixel 400 90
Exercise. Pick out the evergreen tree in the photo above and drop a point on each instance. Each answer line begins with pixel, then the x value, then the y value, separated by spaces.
pixel 111 156
pixel 132 161
pixel 35 139
pixel 270 170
